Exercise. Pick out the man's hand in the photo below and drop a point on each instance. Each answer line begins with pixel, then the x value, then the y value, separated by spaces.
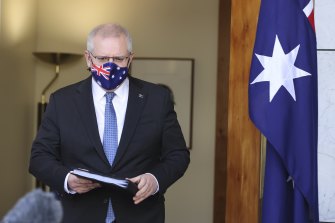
pixel 81 185
pixel 147 186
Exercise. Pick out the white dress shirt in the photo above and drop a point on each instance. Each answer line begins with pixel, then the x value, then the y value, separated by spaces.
pixel 120 101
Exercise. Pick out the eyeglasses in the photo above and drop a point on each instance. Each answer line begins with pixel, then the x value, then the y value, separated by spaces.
pixel 105 59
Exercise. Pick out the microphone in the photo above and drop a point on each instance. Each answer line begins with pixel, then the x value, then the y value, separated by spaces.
pixel 36 206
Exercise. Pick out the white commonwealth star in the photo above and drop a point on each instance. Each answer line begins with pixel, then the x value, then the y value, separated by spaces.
pixel 279 69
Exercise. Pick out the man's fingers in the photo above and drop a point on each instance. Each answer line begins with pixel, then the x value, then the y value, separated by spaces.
pixel 137 201
pixel 135 180
pixel 81 185
pixel 147 186
pixel 142 182
pixel 86 188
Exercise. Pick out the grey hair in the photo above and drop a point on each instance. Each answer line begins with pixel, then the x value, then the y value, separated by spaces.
pixel 109 30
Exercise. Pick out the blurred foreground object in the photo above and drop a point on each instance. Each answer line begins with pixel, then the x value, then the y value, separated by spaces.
pixel 35 207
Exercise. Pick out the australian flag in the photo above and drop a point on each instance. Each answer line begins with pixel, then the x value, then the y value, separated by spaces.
pixel 283 106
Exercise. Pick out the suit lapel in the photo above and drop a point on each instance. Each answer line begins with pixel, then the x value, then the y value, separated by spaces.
pixel 85 105
pixel 136 101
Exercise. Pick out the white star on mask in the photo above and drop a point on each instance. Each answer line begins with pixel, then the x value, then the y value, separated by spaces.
pixel 279 70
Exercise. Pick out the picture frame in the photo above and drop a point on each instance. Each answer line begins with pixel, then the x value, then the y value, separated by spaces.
pixel 177 75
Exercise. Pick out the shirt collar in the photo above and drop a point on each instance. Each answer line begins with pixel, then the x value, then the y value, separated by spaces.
pixel 99 93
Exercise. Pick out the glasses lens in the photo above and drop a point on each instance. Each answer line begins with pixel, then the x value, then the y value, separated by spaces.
pixel 101 59
pixel 119 59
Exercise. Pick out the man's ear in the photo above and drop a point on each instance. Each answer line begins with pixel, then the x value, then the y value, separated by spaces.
pixel 131 56
pixel 87 58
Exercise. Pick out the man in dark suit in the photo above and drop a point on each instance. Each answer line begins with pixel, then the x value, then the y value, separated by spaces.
pixel 136 135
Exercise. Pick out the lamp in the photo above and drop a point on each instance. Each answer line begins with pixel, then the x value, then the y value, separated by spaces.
pixel 56 58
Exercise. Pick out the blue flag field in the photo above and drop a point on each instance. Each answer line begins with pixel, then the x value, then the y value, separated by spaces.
pixel 283 106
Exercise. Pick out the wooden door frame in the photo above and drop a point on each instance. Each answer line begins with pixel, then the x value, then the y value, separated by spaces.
pixel 237 149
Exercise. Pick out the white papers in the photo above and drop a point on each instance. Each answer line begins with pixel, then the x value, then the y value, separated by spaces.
pixel 100 178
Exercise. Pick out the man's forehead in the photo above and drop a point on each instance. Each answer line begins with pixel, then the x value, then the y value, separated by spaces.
pixel 110 44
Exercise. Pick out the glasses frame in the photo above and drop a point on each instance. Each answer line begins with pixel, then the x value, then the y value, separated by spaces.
pixel 115 59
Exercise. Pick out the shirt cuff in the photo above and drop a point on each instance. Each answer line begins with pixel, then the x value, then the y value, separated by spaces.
pixel 67 190
pixel 156 183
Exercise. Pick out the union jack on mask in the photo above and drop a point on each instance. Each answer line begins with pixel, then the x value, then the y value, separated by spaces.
pixel 109 75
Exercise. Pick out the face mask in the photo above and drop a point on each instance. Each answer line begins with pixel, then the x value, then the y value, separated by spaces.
pixel 109 75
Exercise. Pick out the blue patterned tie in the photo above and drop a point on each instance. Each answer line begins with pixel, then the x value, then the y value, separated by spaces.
pixel 110 142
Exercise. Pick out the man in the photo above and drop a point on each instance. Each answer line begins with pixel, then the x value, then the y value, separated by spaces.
pixel 115 125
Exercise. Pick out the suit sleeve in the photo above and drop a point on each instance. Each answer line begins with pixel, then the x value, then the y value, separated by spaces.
pixel 175 156
pixel 45 161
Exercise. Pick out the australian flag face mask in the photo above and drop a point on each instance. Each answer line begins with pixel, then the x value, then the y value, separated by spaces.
pixel 109 75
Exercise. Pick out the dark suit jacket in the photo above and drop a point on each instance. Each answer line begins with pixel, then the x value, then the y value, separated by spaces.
pixel 151 142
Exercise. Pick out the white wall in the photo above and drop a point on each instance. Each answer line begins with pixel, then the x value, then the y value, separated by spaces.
pixel 166 28
pixel 324 16
pixel 17 40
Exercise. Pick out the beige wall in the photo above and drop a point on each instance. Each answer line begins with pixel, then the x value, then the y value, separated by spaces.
pixel 166 28
pixel 17 40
